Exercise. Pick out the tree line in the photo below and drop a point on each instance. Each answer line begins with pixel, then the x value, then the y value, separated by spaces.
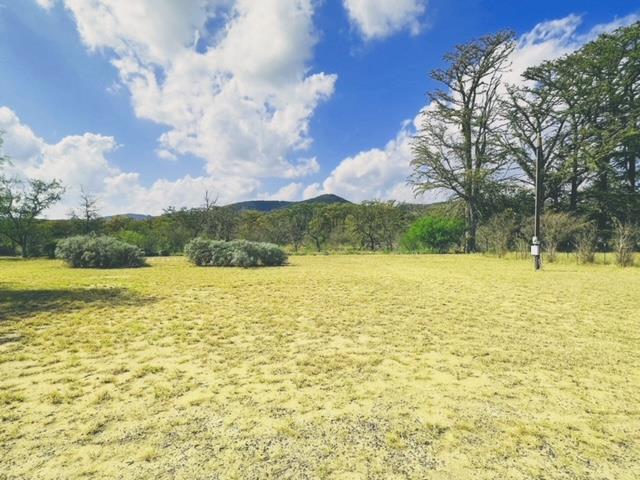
pixel 371 225
pixel 575 120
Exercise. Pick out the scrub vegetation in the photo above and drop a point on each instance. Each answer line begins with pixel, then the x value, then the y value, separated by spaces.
pixel 237 253
pixel 369 366
pixel 93 251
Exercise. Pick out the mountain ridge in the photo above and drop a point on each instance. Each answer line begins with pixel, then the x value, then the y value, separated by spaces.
pixel 271 205
pixel 256 205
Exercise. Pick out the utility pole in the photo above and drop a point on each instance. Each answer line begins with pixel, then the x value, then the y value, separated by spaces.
pixel 535 241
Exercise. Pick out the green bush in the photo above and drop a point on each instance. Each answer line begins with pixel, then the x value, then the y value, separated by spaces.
pixel 237 253
pixel 433 234
pixel 92 251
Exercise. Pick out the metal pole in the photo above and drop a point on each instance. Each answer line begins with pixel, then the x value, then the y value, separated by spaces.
pixel 535 242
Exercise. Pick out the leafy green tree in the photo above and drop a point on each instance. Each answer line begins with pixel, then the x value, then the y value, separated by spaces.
pixel 376 224
pixel 601 83
pixel 457 149
pixel 251 226
pixel 138 239
pixel 20 205
pixel 433 233
pixel 227 223
pixel 320 226
pixel 298 219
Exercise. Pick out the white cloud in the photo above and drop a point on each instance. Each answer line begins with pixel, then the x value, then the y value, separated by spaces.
pixel 383 172
pixel 78 160
pixel 375 173
pixel 552 39
pixel 376 19
pixel 239 97
pixel 82 161
pixel 289 192
pixel 155 30
pixel 19 139
pixel 304 167
pixel 46 4
pixel 165 154
pixel 124 192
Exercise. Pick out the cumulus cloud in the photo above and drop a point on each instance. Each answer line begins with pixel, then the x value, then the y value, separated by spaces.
pixel 81 161
pixel 554 38
pixel 289 192
pixel 383 172
pixel 125 193
pixel 46 4
pixel 238 96
pixel 376 173
pixel 19 139
pixel 376 19
pixel 380 170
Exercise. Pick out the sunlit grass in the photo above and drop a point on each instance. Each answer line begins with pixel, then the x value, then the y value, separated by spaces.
pixel 389 366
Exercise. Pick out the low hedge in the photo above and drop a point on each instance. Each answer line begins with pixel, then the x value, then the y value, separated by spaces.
pixel 237 253
pixel 92 251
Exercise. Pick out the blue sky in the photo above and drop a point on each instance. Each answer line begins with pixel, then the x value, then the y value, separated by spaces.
pixel 149 103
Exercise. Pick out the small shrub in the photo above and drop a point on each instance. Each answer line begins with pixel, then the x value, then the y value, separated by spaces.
pixel 237 253
pixel 497 235
pixel 624 242
pixel 585 243
pixel 433 233
pixel 92 251
pixel 556 229
pixel 522 247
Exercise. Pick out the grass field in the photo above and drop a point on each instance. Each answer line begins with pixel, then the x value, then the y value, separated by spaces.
pixel 386 366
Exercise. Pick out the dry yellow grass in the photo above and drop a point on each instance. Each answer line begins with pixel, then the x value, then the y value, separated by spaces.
pixel 442 367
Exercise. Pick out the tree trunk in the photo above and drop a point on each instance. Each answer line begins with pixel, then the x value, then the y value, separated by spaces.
pixel 472 228
pixel 631 171
pixel 573 196
pixel 602 181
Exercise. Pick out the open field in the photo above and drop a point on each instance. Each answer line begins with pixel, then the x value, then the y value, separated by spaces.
pixel 443 367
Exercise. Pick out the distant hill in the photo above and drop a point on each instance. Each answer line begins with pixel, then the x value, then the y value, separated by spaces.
pixel 271 205
pixel 133 216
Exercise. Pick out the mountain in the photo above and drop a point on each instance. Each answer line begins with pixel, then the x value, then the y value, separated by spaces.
pixel 257 205
pixel 325 199
pixel 270 205
pixel 138 217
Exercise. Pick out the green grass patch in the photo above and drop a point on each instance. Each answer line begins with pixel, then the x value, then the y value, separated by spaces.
pixel 371 366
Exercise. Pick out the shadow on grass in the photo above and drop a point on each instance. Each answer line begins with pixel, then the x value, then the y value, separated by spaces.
pixel 17 304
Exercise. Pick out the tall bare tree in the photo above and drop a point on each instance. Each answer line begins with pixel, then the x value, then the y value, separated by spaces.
pixel 88 212
pixel 457 148
pixel 534 133
pixel 535 119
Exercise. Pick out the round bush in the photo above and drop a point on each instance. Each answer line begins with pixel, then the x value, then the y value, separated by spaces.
pixel 91 251
pixel 237 253
pixel 433 234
